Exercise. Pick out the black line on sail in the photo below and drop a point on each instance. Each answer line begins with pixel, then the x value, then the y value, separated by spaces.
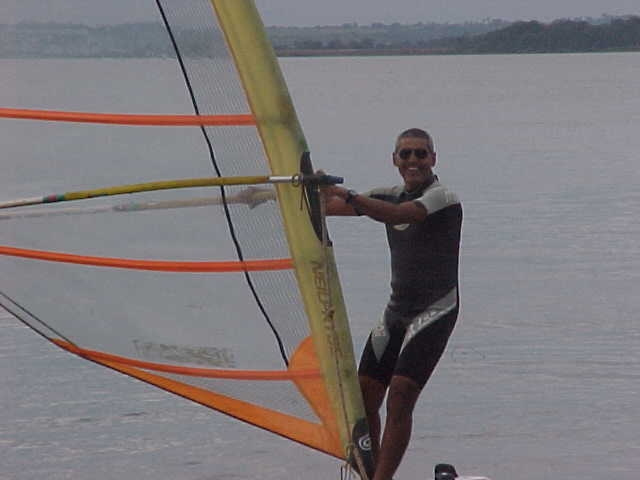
pixel 28 318
pixel 227 213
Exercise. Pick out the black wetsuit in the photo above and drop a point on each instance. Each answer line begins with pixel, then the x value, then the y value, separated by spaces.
pixel 424 302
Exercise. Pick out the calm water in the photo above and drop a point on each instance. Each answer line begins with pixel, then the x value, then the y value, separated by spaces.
pixel 541 379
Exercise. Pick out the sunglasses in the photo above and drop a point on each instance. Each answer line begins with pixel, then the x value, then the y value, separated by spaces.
pixel 420 153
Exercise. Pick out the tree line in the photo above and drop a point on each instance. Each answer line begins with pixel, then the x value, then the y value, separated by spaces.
pixel 555 37
pixel 144 40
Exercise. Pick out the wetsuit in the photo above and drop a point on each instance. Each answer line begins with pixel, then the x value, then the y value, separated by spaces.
pixel 424 303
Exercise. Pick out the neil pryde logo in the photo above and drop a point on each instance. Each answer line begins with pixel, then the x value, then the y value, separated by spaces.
pixel 364 442
pixel 324 297
pixel 423 320
pixel 322 288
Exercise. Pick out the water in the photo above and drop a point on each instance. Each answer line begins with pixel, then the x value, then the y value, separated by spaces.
pixel 540 380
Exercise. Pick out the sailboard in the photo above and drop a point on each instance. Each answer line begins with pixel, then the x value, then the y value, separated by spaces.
pixel 225 293
pixel 445 471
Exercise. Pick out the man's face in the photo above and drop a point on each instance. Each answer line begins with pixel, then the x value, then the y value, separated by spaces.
pixel 415 161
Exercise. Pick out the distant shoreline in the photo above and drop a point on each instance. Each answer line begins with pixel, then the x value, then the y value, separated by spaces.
pixel 359 52
pixel 150 40
pixel 404 52
pixel 410 52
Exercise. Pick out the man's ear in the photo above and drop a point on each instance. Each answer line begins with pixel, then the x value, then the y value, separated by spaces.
pixel 394 158
pixel 434 159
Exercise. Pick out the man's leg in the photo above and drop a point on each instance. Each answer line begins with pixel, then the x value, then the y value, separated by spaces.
pixel 373 392
pixel 376 370
pixel 403 393
pixel 413 369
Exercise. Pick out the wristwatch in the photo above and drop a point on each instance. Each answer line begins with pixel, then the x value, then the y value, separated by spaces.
pixel 351 194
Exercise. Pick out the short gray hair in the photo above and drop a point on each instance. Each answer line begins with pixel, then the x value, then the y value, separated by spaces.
pixel 416 133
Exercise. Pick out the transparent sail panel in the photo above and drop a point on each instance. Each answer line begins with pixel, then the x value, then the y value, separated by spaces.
pixel 193 290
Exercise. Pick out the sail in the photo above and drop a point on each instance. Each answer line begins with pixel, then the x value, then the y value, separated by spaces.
pixel 225 295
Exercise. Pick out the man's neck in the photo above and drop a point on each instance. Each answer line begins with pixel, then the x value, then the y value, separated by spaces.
pixel 422 186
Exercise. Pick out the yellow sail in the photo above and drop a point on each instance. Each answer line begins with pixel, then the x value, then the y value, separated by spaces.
pixel 313 259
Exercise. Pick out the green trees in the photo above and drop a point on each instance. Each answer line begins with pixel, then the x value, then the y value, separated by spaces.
pixel 558 36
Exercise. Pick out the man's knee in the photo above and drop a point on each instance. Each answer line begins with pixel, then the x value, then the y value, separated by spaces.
pixel 373 393
pixel 403 393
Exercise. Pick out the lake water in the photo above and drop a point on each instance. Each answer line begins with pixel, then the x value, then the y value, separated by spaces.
pixel 541 379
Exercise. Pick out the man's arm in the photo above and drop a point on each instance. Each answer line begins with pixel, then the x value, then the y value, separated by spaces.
pixel 385 212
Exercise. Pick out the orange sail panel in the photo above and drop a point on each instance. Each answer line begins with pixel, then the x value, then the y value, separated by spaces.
pixel 320 435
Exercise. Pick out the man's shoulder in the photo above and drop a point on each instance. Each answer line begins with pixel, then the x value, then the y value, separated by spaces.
pixel 438 197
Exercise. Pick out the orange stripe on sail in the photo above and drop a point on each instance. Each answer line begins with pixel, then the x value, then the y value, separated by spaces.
pixel 154 265
pixel 314 435
pixel 129 119
pixel 272 375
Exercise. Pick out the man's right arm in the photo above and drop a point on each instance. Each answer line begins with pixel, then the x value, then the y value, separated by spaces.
pixel 341 202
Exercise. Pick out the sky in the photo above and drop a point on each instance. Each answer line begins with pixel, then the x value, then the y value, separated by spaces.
pixel 327 12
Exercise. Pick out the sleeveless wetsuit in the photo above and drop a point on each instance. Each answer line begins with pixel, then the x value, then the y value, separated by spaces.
pixel 424 303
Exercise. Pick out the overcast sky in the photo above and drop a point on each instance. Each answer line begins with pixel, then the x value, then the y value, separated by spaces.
pixel 327 12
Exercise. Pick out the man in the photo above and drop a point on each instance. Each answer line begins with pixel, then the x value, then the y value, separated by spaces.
pixel 423 219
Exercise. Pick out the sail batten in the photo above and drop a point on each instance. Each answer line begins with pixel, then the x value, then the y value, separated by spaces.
pixel 231 374
pixel 147 120
pixel 154 265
